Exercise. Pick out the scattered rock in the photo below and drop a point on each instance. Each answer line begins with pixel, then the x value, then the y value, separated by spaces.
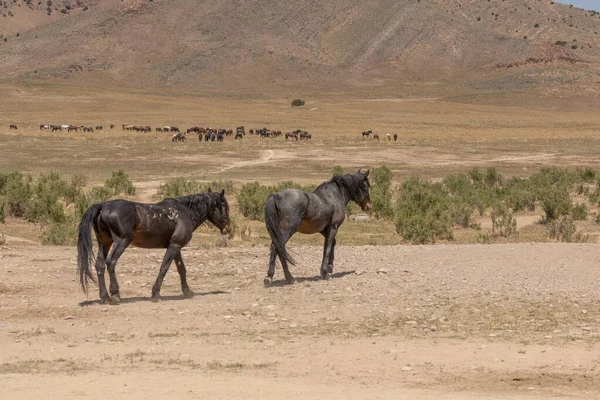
pixel 383 271
pixel 69 317
pixel 406 368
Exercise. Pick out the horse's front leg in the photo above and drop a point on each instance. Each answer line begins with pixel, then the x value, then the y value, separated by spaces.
pixel 172 251
pixel 187 292
pixel 328 252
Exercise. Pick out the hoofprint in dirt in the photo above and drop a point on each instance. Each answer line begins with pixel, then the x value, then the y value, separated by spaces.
pixel 445 321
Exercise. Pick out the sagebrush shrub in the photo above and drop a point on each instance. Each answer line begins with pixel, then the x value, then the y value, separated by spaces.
pixel 424 212
pixel 120 183
pixel 504 223
pixel 563 229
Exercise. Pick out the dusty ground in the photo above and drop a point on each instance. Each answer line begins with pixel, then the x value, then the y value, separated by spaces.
pixel 455 322
pixel 447 321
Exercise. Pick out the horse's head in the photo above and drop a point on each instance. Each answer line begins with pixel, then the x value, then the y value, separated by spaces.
pixel 364 197
pixel 219 214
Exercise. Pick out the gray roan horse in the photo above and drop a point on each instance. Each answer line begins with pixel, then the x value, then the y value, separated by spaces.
pixel 168 224
pixel 322 211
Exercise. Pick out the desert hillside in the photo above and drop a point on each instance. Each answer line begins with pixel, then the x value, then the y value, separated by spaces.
pixel 461 49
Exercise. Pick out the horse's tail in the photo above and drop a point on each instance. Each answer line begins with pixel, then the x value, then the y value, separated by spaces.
pixel 85 254
pixel 272 216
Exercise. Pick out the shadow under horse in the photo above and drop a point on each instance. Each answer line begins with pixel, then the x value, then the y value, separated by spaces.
pixel 322 211
pixel 168 224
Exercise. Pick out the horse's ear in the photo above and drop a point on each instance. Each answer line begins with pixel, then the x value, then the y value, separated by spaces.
pixel 358 172
pixel 223 193
pixel 366 174
pixel 209 190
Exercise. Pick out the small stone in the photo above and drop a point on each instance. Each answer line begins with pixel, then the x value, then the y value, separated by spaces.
pixel 293 325
pixel 406 368
pixel 129 283
pixel 410 323
pixel 69 317
pixel 71 345
pixel 227 316
pixel 58 276
pixel 383 271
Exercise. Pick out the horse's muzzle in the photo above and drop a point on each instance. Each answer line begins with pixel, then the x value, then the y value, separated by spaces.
pixel 366 205
pixel 227 229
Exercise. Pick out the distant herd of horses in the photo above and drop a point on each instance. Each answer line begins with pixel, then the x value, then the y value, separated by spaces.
pixel 389 136
pixel 218 134
pixel 206 134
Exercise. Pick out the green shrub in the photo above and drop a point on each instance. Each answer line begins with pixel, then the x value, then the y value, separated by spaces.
pixel 560 43
pixel 381 197
pixel 251 199
pixel 519 194
pixel 298 103
pixel 579 212
pixel 337 170
pixel 177 187
pixel 504 223
pixel 424 212
pixel 17 191
pixel 586 174
pixel 119 183
pixel 98 194
pixel 48 200
pixel 555 202
pixel 60 233
pixel 563 229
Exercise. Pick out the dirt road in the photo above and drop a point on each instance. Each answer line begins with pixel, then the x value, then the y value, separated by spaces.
pixel 401 322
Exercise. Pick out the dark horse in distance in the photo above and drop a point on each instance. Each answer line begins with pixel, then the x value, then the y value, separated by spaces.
pixel 322 211
pixel 168 225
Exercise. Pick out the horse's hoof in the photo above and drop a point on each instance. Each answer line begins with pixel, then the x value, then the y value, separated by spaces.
pixel 105 300
pixel 114 300
pixel 268 281
pixel 330 269
pixel 290 281
pixel 326 277
pixel 155 298
pixel 188 294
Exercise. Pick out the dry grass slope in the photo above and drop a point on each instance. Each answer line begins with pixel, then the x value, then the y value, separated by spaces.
pixel 465 50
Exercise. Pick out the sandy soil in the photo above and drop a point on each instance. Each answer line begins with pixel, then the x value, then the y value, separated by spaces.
pixel 431 322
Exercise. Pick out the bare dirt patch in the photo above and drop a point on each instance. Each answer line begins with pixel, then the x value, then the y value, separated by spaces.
pixel 414 321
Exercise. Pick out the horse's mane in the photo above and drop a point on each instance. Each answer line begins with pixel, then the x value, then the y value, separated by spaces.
pixel 195 202
pixel 351 183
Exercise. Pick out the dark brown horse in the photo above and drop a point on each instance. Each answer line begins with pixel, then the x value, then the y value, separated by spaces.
pixel 168 225
pixel 322 211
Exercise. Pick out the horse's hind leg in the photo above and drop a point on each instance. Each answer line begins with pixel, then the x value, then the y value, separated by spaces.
pixel 328 250
pixel 284 264
pixel 271 272
pixel 331 258
pixel 187 292
pixel 103 249
pixel 118 248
